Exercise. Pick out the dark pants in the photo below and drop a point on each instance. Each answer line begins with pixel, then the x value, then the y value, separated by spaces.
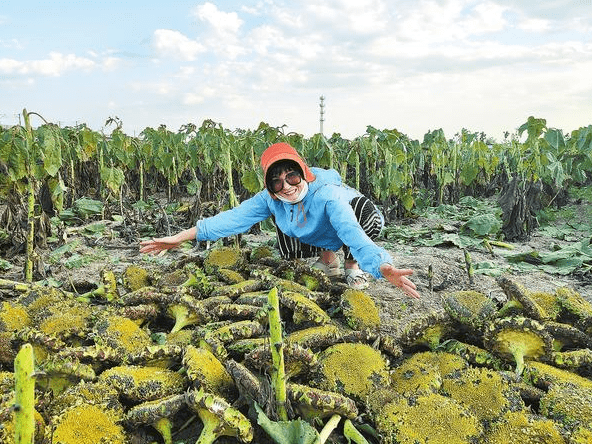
pixel 367 215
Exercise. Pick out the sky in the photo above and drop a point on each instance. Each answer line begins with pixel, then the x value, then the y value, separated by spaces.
pixel 411 65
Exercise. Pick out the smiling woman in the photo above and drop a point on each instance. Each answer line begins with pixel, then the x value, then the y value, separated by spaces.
pixel 315 214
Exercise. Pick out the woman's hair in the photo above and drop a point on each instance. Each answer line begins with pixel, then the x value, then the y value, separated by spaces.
pixel 279 167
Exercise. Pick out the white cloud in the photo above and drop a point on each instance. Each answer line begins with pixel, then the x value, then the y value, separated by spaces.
pixel 10 43
pixel 9 66
pixel 493 99
pixel 169 43
pixel 222 33
pixel 556 10
pixel 535 25
pixel 564 53
pixel 193 99
pixel 445 55
pixel 186 72
pixel 55 65
pixel 357 16
pixel 199 95
pixel 163 87
pixel 111 63
pixel 439 50
pixel 410 64
pixel 264 38
pixel 432 21
pixel 485 17
pixel 223 23
pixel 272 41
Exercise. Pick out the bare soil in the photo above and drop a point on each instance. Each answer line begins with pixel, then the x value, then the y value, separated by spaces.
pixel 449 274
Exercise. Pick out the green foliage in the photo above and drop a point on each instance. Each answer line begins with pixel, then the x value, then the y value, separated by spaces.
pixel 83 208
pixel 484 224
pixel 436 175
pixel 5 265
pixel 562 260
pixel 287 432
pixel 113 178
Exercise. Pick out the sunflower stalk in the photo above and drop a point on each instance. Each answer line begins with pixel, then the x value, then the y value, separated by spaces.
pixel 469 267
pixel 278 373
pixel 328 428
pixel 30 204
pixel 24 404
pixel 141 175
pixel 353 434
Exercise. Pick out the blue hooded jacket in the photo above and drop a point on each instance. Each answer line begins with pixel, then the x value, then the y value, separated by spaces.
pixel 324 218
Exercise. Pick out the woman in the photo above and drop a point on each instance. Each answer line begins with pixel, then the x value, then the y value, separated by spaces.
pixel 315 214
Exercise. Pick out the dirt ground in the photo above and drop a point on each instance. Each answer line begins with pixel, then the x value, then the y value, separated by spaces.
pixel 449 274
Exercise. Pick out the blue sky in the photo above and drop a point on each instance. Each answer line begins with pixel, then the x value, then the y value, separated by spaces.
pixel 413 65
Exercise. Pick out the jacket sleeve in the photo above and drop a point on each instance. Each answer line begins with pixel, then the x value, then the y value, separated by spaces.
pixel 364 250
pixel 234 221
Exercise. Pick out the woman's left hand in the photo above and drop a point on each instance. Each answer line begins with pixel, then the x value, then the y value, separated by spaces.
pixel 398 277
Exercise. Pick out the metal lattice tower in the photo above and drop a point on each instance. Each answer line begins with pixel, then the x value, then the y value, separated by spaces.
pixel 322 117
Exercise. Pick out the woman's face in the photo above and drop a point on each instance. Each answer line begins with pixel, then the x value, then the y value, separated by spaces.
pixel 289 192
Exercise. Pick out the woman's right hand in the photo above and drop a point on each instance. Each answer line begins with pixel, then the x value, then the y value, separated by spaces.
pixel 155 246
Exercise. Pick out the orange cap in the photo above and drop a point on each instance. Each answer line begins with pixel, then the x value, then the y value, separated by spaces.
pixel 283 151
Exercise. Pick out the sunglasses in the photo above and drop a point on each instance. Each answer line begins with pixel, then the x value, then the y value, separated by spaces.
pixel 293 178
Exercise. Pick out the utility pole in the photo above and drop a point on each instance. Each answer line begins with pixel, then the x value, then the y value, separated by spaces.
pixel 322 118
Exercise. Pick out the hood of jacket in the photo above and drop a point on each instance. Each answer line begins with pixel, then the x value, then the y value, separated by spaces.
pixel 283 151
